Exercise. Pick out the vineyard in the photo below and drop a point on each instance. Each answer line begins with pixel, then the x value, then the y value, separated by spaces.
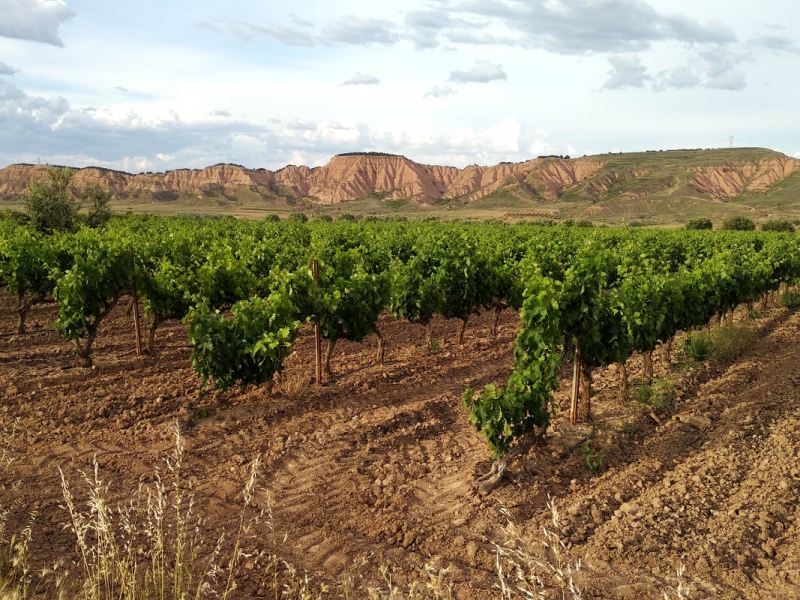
pixel 247 294
pixel 245 289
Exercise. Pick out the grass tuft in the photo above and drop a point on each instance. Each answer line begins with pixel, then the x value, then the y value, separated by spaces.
pixel 731 340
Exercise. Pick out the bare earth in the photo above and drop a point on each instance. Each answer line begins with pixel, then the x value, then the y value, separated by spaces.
pixel 377 467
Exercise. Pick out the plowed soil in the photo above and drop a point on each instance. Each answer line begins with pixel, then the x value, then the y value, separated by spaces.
pixel 377 468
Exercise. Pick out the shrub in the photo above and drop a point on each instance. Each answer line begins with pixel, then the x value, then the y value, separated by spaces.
pixel 701 223
pixel 791 300
pixel 298 217
pixel 98 200
pixel 14 216
pixel 347 217
pixel 738 223
pixel 323 218
pixel 730 341
pixel 272 218
pixel 584 223
pixel 658 395
pixel 49 204
pixel 699 345
pixel 780 225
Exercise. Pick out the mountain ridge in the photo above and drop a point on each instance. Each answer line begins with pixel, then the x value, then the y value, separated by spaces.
pixel 709 175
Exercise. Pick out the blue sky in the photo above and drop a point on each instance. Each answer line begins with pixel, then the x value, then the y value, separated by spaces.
pixel 151 85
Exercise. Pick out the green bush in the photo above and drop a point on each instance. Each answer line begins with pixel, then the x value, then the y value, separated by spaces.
pixel 14 216
pixel 49 204
pixel 299 217
pixel 324 218
pixel 701 223
pixel 791 300
pixel 727 342
pixel 657 395
pixel 98 200
pixel 272 218
pixel 584 223
pixel 643 394
pixel 347 217
pixel 699 345
pixel 738 223
pixel 730 341
pixel 780 225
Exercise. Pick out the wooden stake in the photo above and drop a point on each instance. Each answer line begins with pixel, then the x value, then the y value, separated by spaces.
pixel 135 305
pixel 576 381
pixel 317 340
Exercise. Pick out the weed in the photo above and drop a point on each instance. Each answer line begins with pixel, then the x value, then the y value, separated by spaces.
pixel 730 341
pixel 627 429
pixel 435 347
pixel 698 345
pixel 150 546
pixel 791 300
pixel 592 457
pixel 657 395
pixel 525 571
pixel 643 394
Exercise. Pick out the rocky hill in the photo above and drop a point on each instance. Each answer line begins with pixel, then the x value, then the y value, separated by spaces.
pixel 596 184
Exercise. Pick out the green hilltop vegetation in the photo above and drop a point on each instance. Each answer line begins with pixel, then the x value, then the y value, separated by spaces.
pixel 656 188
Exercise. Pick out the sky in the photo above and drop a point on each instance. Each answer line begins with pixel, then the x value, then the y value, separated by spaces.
pixel 141 85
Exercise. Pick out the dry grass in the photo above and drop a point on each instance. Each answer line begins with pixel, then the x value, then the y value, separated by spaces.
pixel 17 580
pixel 412 352
pixel 536 570
pixel 294 384
pixel 151 548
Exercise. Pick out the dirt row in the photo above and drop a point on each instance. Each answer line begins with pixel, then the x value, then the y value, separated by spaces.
pixel 377 468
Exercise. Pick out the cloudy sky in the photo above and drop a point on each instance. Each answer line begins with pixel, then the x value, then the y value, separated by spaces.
pixel 152 85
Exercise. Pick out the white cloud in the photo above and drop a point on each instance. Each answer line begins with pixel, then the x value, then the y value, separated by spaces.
pixel 571 151
pixel 439 92
pixel 299 125
pixel 540 148
pixel 626 71
pixel 7 69
pixel 482 72
pixel 362 79
pixel 353 30
pixel 716 69
pixel 797 154
pixel 34 20
pixel 60 133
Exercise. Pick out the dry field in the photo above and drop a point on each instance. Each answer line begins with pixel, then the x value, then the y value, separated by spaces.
pixel 376 468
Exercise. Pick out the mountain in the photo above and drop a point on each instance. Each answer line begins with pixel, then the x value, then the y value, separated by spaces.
pixel 601 187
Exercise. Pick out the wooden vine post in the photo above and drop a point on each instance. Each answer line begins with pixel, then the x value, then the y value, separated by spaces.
pixel 135 304
pixel 317 340
pixel 576 381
